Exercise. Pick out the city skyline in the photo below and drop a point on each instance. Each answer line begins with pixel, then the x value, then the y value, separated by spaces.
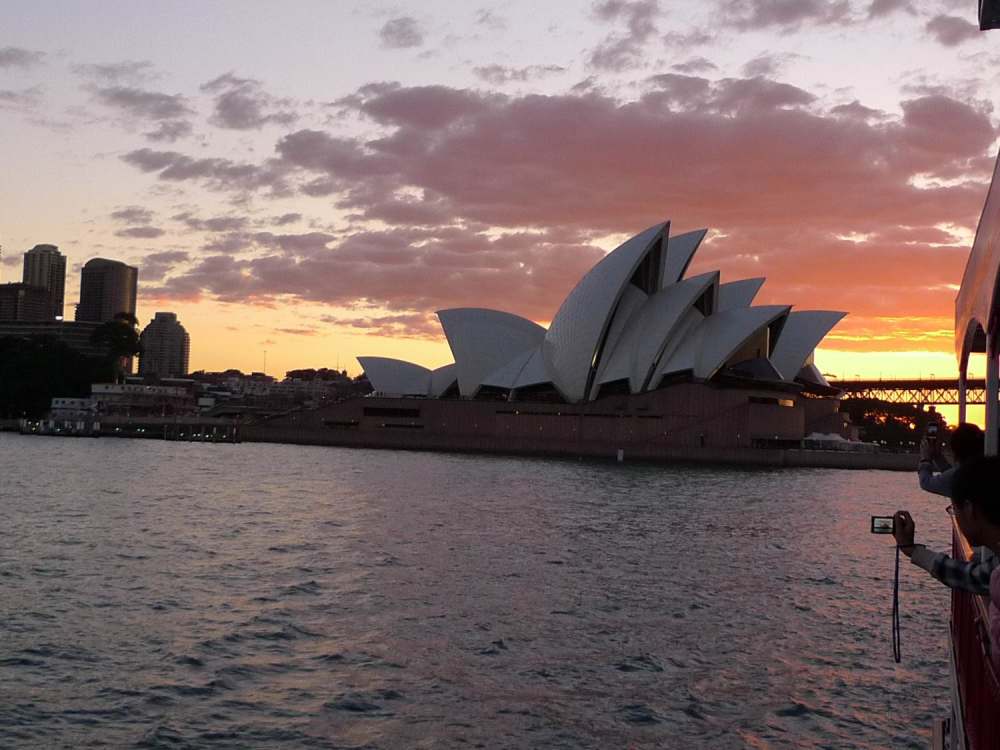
pixel 323 200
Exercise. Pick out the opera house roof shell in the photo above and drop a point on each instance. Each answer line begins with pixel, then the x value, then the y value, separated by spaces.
pixel 631 322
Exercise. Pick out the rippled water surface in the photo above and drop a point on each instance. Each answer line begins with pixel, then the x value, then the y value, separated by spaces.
pixel 172 595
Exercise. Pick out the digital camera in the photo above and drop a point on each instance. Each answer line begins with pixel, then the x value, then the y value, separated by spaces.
pixel 883 525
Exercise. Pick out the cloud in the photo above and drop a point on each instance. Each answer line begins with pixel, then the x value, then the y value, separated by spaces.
pixel 490 20
pixel 215 224
pixel 297 331
pixel 767 65
pixel 157 265
pixel 881 8
pixel 170 131
pixel 145 233
pixel 857 110
pixel 214 173
pixel 404 271
pixel 401 33
pixel 680 41
pixel 951 30
pixel 150 105
pixel 404 325
pixel 242 104
pixel 695 65
pixel 479 198
pixel 126 72
pixel 785 15
pixel 501 74
pixel 623 50
pixel 283 219
pixel 168 111
pixel 296 245
pixel 133 215
pixel 228 244
pixel 18 57
pixel 23 100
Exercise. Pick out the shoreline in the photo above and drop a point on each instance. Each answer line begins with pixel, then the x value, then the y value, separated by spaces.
pixel 649 454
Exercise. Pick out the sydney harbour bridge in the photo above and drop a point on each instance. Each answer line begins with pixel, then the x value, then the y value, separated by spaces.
pixel 919 391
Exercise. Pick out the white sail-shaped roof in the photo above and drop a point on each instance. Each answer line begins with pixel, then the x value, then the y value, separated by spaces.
pixel 533 372
pixel 811 374
pixel 573 340
pixel 680 250
pixel 652 328
pixel 506 376
pixel 396 377
pixel 527 368
pixel 621 335
pixel 707 348
pixel 483 340
pixel 801 333
pixel 442 378
pixel 632 318
pixel 739 293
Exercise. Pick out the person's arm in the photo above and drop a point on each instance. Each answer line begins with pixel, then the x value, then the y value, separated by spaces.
pixel 973 576
pixel 940 462
pixel 939 484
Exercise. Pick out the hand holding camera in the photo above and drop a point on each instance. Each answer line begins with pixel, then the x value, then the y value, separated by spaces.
pixel 930 446
pixel 903 531
pixel 900 525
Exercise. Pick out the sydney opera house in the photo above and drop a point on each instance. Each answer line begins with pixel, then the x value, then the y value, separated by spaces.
pixel 641 359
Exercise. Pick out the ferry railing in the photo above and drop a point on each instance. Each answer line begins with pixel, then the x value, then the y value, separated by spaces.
pixel 979 688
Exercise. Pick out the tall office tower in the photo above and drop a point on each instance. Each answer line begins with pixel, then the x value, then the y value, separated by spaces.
pixel 45 266
pixel 107 287
pixel 166 347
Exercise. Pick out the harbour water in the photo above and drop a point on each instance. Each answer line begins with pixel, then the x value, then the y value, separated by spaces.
pixel 174 595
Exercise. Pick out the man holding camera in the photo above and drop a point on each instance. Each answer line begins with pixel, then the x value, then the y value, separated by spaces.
pixel 966 446
pixel 966 443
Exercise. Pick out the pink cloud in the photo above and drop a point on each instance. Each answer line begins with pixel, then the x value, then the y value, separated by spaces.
pixel 952 30
pixel 803 194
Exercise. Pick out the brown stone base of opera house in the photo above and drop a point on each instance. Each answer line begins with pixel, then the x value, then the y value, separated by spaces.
pixel 687 422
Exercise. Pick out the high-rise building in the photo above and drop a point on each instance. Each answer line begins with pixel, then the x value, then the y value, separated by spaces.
pixel 24 302
pixel 107 288
pixel 166 347
pixel 45 266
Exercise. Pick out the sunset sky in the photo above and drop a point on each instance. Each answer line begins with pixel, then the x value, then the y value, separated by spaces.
pixel 315 179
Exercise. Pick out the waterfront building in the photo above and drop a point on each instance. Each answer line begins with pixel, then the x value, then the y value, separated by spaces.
pixel 139 400
pixel 166 347
pixel 640 360
pixel 72 409
pixel 107 288
pixel 24 302
pixel 45 266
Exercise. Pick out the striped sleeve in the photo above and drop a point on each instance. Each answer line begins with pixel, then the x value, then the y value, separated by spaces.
pixel 973 576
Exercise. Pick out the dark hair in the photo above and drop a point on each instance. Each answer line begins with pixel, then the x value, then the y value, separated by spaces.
pixel 966 442
pixel 978 482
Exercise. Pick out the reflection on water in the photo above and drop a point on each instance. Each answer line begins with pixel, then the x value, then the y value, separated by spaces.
pixel 227 596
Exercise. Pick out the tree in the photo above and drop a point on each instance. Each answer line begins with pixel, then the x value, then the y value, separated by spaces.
pixel 35 370
pixel 119 337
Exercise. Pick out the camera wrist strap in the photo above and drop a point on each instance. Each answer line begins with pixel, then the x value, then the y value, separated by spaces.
pixel 896 652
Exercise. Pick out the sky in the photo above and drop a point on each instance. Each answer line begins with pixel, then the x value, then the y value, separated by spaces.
pixel 306 182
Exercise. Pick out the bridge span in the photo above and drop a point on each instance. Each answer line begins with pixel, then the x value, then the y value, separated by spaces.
pixel 919 391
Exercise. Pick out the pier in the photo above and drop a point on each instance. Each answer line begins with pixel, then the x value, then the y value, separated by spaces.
pixel 190 429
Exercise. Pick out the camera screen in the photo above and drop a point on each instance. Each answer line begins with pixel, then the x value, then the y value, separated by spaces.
pixel 882 524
